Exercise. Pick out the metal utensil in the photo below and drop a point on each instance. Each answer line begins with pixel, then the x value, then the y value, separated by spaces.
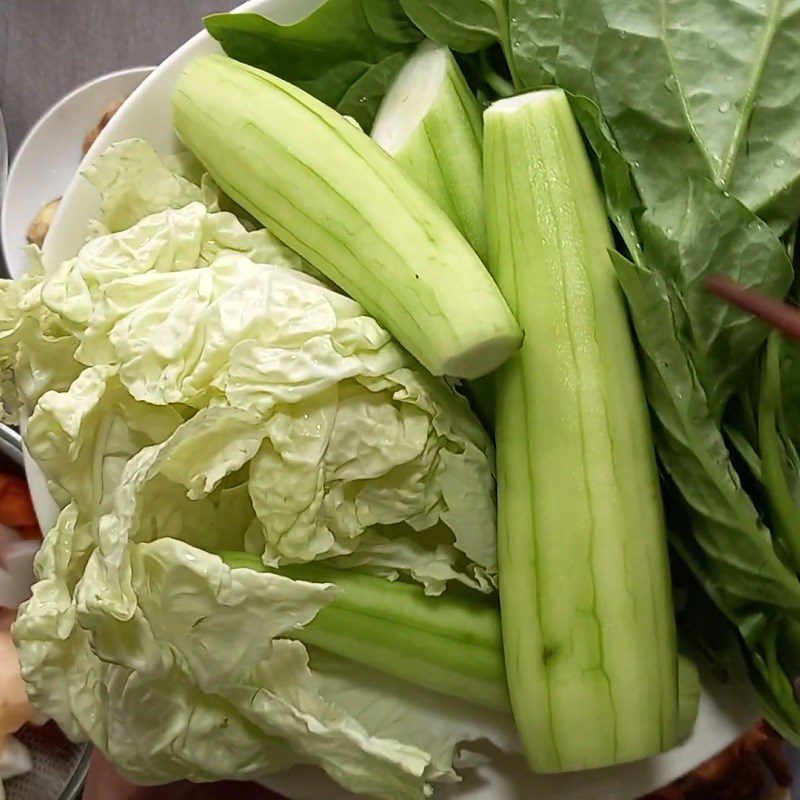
pixel 59 767
pixel 11 443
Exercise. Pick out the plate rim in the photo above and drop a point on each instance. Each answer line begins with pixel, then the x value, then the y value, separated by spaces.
pixel 35 131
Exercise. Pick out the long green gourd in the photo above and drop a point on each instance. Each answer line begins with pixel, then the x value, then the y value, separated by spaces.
pixel 430 123
pixel 587 617
pixel 332 194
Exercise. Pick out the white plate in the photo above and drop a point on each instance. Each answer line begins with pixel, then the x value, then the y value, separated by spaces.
pixel 48 158
pixel 725 711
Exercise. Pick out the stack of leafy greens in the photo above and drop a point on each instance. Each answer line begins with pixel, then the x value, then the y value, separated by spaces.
pixel 199 404
pixel 692 112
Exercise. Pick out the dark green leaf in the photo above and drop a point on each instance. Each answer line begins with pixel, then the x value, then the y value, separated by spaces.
pixel 555 41
pixel 463 25
pixel 536 36
pixel 700 231
pixel 780 465
pixel 362 99
pixel 343 52
pixel 735 548
pixel 767 658
pixel 790 390
pixel 687 86
pixel 388 21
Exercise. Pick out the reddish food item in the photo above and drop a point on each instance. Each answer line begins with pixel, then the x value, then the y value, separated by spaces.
pixel 103 783
pixel 16 507
pixel 738 773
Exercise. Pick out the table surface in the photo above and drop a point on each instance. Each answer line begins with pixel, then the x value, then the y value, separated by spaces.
pixel 48 47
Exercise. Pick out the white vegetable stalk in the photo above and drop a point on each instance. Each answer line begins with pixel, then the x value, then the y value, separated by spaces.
pixel 431 124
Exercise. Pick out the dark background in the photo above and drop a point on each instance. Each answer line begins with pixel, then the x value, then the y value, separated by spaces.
pixel 48 47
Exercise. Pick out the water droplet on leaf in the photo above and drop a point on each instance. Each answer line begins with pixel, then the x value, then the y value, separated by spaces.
pixel 725 107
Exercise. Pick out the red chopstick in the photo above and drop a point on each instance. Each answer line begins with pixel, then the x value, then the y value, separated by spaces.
pixel 780 315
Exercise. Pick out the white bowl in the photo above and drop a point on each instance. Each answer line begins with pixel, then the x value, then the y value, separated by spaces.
pixel 48 158
pixel 725 711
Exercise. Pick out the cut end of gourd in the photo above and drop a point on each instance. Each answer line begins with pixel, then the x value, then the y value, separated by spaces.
pixel 411 96
pixel 483 358
pixel 540 97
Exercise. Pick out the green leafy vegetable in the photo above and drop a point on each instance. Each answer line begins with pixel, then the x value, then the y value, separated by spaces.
pixel 780 465
pixel 463 25
pixel 700 231
pixel 150 660
pixel 696 83
pixel 388 21
pixel 346 53
pixel 738 550
pixel 554 41
pixel 304 366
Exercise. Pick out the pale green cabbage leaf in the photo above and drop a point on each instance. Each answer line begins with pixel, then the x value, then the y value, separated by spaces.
pixel 191 389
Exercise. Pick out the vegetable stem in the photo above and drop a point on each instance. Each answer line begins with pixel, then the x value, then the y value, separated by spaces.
pixel 786 515
pixel 450 644
pixel 493 78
